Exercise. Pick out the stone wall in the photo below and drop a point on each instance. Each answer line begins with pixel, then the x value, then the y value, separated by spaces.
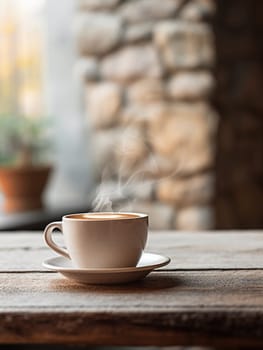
pixel 239 49
pixel 148 71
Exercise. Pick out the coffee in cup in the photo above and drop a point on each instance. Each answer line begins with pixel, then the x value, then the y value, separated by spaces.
pixel 101 240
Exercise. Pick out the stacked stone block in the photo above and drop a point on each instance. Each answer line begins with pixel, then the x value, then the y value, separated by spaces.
pixel 148 72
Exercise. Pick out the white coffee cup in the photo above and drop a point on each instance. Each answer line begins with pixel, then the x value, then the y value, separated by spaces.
pixel 101 240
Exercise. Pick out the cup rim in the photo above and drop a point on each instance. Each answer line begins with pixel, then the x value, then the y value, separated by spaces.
pixel 138 216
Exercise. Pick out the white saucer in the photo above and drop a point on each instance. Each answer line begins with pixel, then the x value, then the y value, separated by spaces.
pixel 147 263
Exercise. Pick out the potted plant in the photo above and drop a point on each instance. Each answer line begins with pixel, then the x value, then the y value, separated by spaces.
pixel 24 169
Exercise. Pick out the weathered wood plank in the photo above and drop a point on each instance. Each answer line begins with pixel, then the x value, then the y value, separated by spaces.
pixel 161 291
pixel 23 239
pixel 201 308
pixel 210 249
pixel 220 307
pixel 182 328
pixel 22 252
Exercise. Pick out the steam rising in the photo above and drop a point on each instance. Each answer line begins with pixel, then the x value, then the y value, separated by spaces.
pixel 122 193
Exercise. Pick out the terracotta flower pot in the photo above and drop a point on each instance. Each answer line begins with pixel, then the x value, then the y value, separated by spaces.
pixel 23 187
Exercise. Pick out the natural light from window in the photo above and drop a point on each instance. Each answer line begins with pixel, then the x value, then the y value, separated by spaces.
pixel 21 57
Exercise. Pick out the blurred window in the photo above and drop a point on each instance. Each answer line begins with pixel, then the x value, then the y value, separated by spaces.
pixel 21 57
pixel 37 58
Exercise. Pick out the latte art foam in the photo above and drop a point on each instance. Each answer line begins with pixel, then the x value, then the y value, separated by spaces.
pixel 102 216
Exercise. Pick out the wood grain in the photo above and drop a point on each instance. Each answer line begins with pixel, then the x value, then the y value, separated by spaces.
pixel 129 329
pixel 162 291
pixel 163 308
pixel 211 294
pixel 26 251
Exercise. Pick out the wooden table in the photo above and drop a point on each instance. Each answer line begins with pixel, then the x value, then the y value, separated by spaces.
pixel 210 294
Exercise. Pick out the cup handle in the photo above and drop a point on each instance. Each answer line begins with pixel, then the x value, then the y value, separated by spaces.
pixel 49 239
